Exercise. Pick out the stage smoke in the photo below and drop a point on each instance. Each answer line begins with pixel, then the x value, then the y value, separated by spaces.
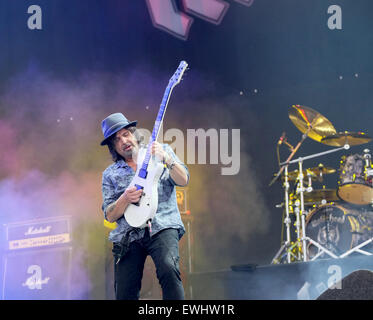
pixel 52 164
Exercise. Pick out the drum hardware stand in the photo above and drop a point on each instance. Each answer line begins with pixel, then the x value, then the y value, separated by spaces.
pixel 287 221
pixel 283 166
pixel 297 212
pixel 302 211
pixel 357 249
pixel 301 214
pixel 318 128
pixel 321 250
pixel 367 158
pixel 289 254
pixel 368 163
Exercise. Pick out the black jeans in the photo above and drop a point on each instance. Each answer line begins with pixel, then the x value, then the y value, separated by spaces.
pixel 164 250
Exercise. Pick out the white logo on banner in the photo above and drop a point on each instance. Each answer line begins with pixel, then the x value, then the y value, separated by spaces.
pixel 35 281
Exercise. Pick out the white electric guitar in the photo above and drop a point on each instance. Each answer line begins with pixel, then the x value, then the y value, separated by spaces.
pixel 149 168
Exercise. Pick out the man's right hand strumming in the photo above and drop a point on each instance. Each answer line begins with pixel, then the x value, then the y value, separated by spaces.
pixel 132 195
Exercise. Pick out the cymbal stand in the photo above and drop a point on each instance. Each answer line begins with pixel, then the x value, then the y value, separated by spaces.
pixel 345 147
pixel 286 244
pixel 299 210
pixel 302 242
pixel 287 219
pixel 302 212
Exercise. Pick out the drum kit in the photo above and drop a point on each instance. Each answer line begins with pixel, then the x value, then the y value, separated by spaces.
pixel 326 222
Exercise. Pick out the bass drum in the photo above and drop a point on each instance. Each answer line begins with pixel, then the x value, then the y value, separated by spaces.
pixel 337 228
pixel 353 185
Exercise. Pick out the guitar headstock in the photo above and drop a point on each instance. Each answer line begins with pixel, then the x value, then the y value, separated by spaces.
pixel 176 78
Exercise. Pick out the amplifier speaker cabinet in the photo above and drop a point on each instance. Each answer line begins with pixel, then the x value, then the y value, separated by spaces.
pixel 37 274
pixel 37 259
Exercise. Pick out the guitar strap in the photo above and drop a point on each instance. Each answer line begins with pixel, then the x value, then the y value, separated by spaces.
pixel 125 243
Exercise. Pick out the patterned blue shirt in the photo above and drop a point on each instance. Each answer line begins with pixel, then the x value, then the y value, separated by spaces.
pixel 115 180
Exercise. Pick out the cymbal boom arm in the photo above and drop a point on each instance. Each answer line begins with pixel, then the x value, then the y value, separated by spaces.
pixel 346 147
pixel 304 136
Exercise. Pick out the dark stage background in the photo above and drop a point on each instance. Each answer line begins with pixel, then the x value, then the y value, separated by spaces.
pixel 247 68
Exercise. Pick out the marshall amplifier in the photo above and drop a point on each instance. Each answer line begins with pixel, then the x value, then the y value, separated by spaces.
pixel 37 260
pixel 38 233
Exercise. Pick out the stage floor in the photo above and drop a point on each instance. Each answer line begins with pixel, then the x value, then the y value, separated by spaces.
pixel 298 280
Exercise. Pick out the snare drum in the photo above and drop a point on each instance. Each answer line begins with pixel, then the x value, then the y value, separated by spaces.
pixel 337 228
pixel 353 184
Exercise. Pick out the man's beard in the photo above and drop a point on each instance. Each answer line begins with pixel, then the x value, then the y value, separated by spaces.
pixel 131 153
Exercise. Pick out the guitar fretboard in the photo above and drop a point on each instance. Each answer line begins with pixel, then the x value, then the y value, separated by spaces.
pixel 157 126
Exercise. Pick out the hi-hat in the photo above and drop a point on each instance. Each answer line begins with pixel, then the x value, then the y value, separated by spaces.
pixel 305 118
pixel 321 170
pixel 315 173
pixel 341 138
pixel 316 196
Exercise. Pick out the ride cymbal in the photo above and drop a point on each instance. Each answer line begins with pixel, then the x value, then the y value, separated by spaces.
pixel 305 118
pixel 339 139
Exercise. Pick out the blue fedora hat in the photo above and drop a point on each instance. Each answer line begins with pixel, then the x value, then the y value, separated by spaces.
pixel 113 123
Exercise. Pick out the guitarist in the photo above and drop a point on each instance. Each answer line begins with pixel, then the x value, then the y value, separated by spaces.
pixel 131 245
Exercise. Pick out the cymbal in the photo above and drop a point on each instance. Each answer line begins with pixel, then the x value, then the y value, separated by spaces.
pixel 316 172
pixel 305 117
pixel 321 194
pixel 341 138
pixel 293 175
pixel 320 170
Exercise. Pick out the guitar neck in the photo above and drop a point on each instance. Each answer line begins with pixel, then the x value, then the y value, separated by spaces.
pixel 161 113
pixel 157 125
pixel 175 79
